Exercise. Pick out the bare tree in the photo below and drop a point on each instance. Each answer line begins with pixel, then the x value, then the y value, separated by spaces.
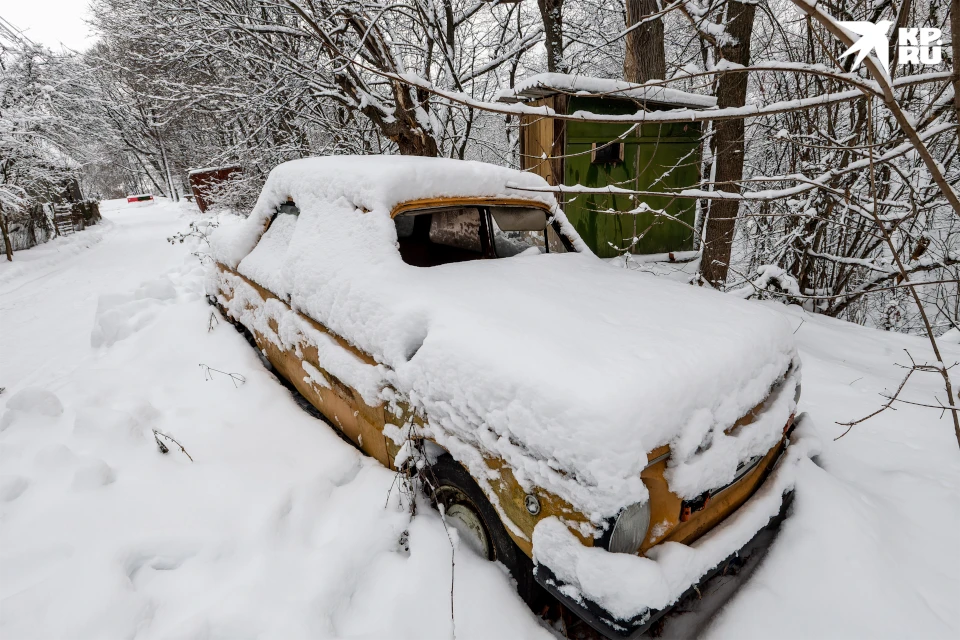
pixel 41 138
pixel 644 57
pixel 955 46
pixel 785 183
pixel 551 11
pixel 728 144
pixel 7 247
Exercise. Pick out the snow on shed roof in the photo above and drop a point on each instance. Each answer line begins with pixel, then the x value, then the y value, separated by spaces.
pixel 547 84
pixel 228 167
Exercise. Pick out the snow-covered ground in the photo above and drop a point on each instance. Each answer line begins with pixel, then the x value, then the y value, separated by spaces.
pixel 280 529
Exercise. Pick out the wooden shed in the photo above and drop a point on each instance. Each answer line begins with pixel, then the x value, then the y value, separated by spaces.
pixel 202 181
pixel 651 157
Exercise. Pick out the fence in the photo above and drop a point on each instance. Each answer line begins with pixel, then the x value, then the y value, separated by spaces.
pixel 42 222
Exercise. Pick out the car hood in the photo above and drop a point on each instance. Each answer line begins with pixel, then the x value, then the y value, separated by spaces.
pixel 564 367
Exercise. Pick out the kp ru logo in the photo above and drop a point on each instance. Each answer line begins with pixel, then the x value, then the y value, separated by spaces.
pixel 919 46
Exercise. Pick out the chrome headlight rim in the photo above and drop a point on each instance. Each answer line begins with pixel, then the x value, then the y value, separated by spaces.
pixel 628 529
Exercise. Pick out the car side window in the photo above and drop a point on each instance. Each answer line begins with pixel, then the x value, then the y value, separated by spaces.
pixel 289 207
pixel 459 229
pixel 429 239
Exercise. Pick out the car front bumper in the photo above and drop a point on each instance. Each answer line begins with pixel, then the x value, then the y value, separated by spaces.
pixel 708 556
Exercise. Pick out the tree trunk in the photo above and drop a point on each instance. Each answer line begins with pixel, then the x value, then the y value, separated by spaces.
pixel 552 13
pixel 955 40
pixel 404 130
pixel 166 170
pixel 7 247
pixel 644 58
pixel 903 16
pixel 728 146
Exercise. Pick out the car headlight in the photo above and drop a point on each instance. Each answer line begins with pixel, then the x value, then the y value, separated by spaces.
pixel 630 528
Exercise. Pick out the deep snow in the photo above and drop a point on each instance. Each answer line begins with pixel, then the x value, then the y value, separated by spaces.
pixel 280 529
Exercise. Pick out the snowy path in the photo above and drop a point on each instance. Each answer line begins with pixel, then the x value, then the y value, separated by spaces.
pixel 55 297
pixel 278 529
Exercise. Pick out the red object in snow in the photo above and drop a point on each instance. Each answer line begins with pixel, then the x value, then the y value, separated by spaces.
pixel 142 197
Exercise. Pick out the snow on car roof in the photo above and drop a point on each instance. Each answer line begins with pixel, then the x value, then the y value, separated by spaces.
pixel 383 182
pixel 545 84
pixel 567 368
pixel 378 184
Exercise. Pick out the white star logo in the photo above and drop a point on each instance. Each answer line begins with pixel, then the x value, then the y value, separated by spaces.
pixel 874 38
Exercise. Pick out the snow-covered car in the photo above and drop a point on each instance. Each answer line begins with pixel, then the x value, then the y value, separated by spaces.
pixel 592 428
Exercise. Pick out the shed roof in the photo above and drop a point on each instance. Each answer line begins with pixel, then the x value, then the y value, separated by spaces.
pixel 226 167
pixel 547 84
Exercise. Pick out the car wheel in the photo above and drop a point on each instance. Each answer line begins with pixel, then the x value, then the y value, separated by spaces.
pixel 468 510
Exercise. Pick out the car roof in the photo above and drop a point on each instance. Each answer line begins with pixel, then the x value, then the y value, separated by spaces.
pixel 383 183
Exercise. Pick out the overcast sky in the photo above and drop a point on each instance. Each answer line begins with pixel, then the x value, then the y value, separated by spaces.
pixel 50 22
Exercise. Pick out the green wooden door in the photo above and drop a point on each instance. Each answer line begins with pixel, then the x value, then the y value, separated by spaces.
pixel 655 158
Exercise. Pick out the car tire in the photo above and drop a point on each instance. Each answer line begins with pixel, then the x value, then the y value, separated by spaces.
pixel 448 483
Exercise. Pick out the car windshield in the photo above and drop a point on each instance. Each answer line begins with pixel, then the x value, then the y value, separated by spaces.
pixel 457 234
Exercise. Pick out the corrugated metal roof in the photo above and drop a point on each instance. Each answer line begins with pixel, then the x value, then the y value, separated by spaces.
pixel 548 84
